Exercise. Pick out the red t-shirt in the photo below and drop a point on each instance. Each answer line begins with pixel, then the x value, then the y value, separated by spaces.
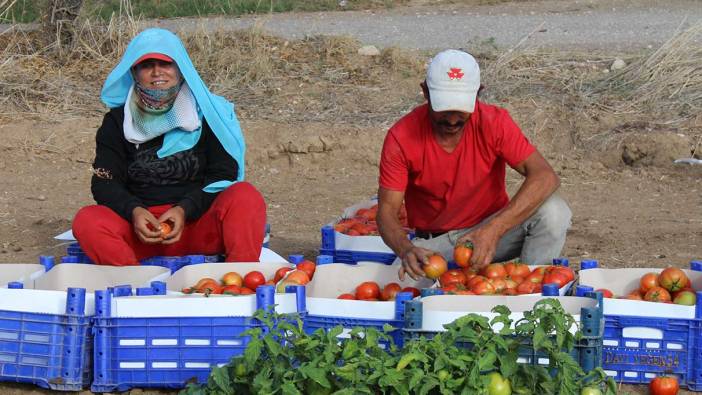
pixel 446 191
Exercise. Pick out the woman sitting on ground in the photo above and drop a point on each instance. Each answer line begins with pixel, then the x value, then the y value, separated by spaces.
pixel 169 165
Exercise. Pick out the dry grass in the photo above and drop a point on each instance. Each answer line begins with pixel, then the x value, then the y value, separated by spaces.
pixel 324 79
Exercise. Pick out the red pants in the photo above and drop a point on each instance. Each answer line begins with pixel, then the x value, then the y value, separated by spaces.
pixel 233 225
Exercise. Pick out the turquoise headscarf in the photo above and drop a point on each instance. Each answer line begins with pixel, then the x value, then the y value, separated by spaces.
pixel 218 112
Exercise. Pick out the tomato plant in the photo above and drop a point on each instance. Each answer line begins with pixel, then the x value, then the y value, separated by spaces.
pixel 664 385
pixel 283 358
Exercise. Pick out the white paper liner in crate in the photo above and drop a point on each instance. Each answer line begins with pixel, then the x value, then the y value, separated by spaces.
pixel 334 279
pixel 196 305
pixel 190 275
pixel 47 293
pixel 443 309
pixel 19 272
pixel 624 281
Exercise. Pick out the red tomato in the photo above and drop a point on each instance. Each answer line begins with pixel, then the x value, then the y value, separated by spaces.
pixel 498 283
pixel 414 291
pixel 452 276
pixel 515 269
pixel 483 288
pixel 657 294
pixel 253 279
pixel 648 281
pixel 634 296
pixel 510 291
pixel 494 270
pixel 526 287
pixel 475 280
pixel 231 290
pixel 206 286
pixel 511 283
pixel 605 292
pixel 368 290
pixel 247 291
pixel 390 291
pixel 535 277
pixel 347 296
pixel 462 254
pixel 673 279
pixel 280 273
pixel 664 385
pixel 556 278
pixel 436 266
pixel 308 267
pixel 232 278
pixel 562 270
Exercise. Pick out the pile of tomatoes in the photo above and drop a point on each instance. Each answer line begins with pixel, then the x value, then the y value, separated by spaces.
pixel 512 278
pixel 669 286
pixel 232 283
pixel 363 222
pixel 371 291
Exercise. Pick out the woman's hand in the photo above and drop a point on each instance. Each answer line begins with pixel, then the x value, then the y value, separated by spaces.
pixel 176 217
pixel 146 226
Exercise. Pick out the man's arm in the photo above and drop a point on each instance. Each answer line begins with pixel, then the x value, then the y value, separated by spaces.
pixel 540 181
pixel 390 229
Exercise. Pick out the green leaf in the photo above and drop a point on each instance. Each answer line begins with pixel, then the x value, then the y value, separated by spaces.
pixel 428 385
pixel 487 361
pixel 272 345
pixel 417 376
pixel 289 388
pixel 220 376
pixel 253 351
pixel 319 375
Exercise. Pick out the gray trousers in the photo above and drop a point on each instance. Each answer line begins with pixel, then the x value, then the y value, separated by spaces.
pixel 536 241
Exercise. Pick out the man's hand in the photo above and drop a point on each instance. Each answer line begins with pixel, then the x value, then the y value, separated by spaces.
pixel 176 217
pixel 141 219
pixel 484 239
pixel 412 260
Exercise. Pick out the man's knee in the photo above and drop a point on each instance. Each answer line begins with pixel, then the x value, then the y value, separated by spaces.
pixel 555 215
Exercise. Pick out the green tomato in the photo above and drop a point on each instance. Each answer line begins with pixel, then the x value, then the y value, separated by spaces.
pixel 590 391
pixel 443 374
pixel 498 385
pixel 240 369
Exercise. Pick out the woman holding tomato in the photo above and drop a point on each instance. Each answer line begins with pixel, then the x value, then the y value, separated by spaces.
pixel 447 160
pixel 169 165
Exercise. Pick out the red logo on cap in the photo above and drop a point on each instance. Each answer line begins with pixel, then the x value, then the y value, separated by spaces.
pixel 455 73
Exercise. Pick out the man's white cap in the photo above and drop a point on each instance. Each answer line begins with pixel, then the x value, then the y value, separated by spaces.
pixel 453 79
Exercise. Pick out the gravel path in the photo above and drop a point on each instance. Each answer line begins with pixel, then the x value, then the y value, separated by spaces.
pixel 617 25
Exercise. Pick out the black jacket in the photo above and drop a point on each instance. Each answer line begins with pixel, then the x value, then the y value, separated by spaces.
pixel 128 175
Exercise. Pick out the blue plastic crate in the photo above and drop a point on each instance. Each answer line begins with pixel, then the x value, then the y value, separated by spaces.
pixel 587 351
pixel 168 352
pixel 351 256
pixel 637 348
pixel 636 360
pixel 314 322
pixel 74 254
pixel 52 351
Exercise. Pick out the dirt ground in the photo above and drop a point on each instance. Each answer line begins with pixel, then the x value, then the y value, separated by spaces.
pixel 314 133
